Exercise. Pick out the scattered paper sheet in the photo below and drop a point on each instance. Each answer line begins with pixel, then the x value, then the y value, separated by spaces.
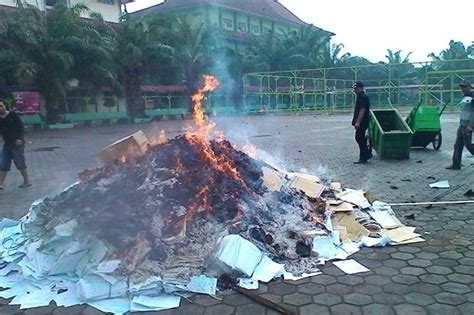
pixel 69 297
pixel 350 266
pixel 149 303
pixel 248 284
pixel 311 188
pixel 309 177
pixel 325 247
pixel 375 241
pixel 238 253
pixel 336 186
pixel 8 223
pixel 33 299
pixel 347 249
pixel 411 241
pixel 355 197
pixel 267 269
pixel 441 184
pixel 386 219
pixel 96 288
pixel 66 229
pixel 202 284
pixel 341 207
pixel 114 306
pixel 400 234
pixel 108 266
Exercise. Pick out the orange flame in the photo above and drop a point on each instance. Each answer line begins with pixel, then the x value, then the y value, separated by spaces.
pixel 203 126
pixel 200 132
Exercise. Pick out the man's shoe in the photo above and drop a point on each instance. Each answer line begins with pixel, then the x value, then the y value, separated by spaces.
pixel 452 167
pixel 360 162
pixel 25 185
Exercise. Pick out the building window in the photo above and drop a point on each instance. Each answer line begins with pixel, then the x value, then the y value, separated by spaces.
pixel 267 30
pixel 242 26
pixel 227 23
pixel 255 29
pixel 111 2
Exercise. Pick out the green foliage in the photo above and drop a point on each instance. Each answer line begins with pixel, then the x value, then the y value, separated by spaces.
pixel 47 50
pixel 456 56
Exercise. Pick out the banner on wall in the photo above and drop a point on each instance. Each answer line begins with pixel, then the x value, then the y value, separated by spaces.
pixel 27 102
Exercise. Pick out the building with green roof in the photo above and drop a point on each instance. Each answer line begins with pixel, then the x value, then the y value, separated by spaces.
pixel 241 20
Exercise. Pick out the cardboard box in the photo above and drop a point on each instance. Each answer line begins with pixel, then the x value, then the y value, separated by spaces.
pixel 131 146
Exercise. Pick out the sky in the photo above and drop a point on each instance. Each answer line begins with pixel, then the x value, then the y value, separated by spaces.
pixel 368 28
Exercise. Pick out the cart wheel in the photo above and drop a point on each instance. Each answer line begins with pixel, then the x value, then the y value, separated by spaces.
pixel 437 140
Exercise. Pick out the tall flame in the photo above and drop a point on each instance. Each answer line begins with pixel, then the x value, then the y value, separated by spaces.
pixel 203 126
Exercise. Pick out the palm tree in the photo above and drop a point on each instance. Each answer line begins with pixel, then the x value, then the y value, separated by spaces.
pixel 52 48
pixel 308 48
pixel 395 57
pixel 457 56
pixel 335 58
pixel 139 47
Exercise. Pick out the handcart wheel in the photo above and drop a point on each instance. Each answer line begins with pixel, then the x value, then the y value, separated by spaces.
pixel 437 140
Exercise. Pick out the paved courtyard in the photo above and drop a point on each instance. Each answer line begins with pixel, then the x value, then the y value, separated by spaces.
pixel 435 277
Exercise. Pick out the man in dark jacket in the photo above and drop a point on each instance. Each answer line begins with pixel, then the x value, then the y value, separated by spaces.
pixel 360 121
pixel 466 125
pixel 12 130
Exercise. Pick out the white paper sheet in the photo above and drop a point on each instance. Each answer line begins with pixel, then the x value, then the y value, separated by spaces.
pixel 33 298
pixel 248 284
pixel 108 266
pixel 162 302
pixel 325 247
pixel 8 223
pixel 67 228
pixel 386 219
pixel 375 241
pixel 350 266
pixel 114 306
pixel 202 284
pixel 267 269
pixel 355 197
pixel 238 253
pixel 96 288
pixel 20 288
pixel 400 235
pixel 441 184
pixel 69 297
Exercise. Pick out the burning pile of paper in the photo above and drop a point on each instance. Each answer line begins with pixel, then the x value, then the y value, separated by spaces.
pixel 166 218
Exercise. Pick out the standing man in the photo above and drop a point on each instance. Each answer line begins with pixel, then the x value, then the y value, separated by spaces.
pixel 12 130
pixel 464 133
pixel 360 121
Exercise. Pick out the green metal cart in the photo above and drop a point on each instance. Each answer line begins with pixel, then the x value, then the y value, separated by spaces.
pixel 389 134
pixel 425 123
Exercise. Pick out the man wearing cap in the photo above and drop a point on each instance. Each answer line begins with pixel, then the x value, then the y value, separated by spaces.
pixel 360 121
pixel 464 133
